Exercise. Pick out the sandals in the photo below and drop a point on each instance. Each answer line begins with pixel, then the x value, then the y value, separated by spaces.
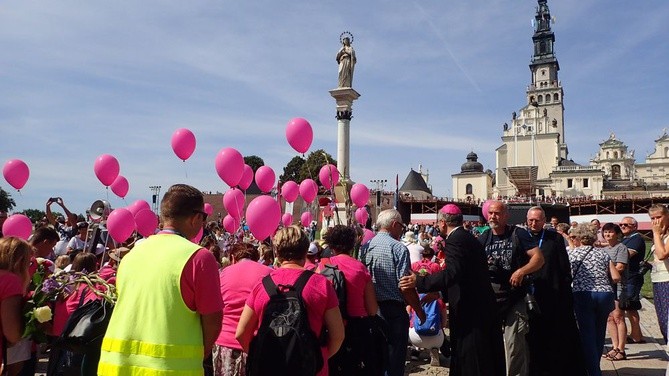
pixel 615 354
pixel 631 340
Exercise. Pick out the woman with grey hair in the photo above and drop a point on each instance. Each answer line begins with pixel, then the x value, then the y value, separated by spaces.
pixel 592 271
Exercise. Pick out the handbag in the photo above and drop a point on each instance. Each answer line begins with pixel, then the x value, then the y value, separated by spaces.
pixel 86 327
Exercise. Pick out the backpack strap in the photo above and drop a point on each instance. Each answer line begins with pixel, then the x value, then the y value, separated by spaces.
pixel 302 281
pixel 272 289
pixel 270 286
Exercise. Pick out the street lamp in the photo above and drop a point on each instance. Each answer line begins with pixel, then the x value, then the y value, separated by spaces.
pixel 380 183
pixel 156 197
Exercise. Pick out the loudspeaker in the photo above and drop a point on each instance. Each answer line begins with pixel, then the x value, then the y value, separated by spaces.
pixel 99 211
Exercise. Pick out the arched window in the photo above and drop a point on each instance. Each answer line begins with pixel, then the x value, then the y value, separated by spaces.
pixel 468 189
pixel 531 99
pixel 666 152
pixel 556 97
pixel 540 99
pixel 607 155
pixel 548 98
pixel 542 47
pixel 615 172
pixel 615 155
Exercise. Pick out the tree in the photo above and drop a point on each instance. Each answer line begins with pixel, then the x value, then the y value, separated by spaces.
pixel 6 201
pixel 312 166
pixel 254 161
pixel 35 215
pixel 292 170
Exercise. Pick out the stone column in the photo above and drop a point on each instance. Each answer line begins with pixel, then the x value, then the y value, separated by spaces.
pixel 344 98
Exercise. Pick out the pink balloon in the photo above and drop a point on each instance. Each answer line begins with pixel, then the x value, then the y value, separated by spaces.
pixel 120 224
pixel 138 205
pixel 308 190
pixel 146 222
pixel 183 143
pixel 484 208
pixel 229 165
pixel 263 216
pixel 106 168
pixel 359 194
pixel 361 216
pixel 305 219
pixel 16 172
pixel 233 201
pixel 329 176
pixel 287 219
pixel 299 134
pixel 196 239
pixel 17 225
pixel 230 224
pixel 208 208
pixel 367 235
pixel 265 178
pixel 290 190
pixel 120 186
pixel 247 177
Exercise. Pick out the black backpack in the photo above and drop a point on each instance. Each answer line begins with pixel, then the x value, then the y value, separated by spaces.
pixel 285 343
pixel 336 277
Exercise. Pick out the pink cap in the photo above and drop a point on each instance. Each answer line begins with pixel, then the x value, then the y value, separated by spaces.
pixel 451 209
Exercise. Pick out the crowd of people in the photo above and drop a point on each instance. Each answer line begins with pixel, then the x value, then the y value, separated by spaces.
pixel 495 298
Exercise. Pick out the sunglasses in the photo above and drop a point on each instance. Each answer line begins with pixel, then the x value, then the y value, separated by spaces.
pixel 204 214
pixel 626 225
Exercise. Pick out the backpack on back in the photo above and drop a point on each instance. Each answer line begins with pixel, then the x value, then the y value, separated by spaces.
pixel 285 343
pixel 336 277
pixel 432 324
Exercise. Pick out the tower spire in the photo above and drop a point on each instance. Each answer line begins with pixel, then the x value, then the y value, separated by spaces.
pixel 543 37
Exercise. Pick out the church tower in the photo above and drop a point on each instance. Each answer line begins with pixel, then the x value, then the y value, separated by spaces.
pixel 534 142
pixel 545 91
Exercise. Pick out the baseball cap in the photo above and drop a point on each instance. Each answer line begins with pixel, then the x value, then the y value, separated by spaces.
pixel 313 249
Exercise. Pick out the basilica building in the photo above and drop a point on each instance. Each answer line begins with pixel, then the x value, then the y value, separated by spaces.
pixel 533 160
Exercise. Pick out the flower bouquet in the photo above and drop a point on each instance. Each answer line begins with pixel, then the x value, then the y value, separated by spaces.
pixel 49 288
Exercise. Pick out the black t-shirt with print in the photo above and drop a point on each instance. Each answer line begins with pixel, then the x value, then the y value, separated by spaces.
pixel 506 253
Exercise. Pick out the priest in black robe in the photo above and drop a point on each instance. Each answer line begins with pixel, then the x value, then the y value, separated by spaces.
pixel 477 347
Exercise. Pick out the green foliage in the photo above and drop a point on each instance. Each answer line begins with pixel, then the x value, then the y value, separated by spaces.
pixel 313 164
pixel 299 168
pixel 254 161
pixel 35 215
pixel 292 170
pixel 6 201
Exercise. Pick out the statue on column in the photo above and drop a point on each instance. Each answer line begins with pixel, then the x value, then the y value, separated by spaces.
pixel 346 60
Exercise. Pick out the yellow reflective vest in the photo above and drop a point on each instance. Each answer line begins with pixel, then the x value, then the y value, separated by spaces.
pixel 152 331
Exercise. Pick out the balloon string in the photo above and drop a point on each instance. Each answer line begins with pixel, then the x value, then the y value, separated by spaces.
pixel 107 191
pixel 185 169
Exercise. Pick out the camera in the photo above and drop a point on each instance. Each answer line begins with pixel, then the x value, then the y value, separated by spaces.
pixel 644 267
pixel 530 300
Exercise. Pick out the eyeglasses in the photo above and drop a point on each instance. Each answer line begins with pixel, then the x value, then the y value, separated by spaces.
pixel 626 225
pixel 204 214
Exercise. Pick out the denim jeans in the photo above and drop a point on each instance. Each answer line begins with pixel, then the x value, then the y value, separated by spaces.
pixel 592 310
pixel 397 318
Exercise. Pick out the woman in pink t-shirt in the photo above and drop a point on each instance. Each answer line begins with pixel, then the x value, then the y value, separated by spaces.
pixel 356 356
pixel 15 255
pixel 237 280
pixel 64 308
pixel 319 297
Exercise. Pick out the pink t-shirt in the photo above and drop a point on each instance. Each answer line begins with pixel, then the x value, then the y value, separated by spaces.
pixel 200 288
pixel 318 296
pixel 10 286
pixel 429 266
pixel 237 280
pixel 357 277
pixel 64 308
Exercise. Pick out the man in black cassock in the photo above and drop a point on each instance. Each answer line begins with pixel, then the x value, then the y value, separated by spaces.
pixel 554 341
pixel 477 347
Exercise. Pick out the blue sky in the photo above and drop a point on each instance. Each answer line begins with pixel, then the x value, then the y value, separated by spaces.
pixel 437 78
